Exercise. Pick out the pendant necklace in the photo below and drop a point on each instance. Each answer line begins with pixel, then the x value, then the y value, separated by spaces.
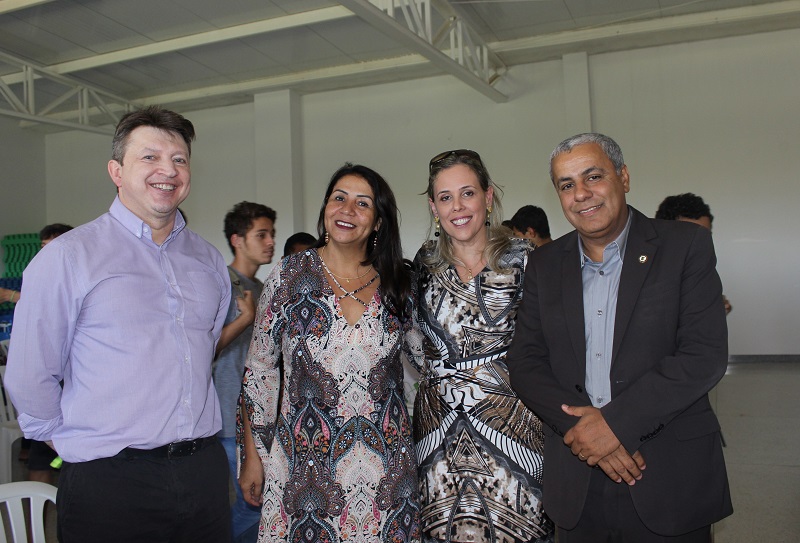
pixel 348 279
pixel 348 293
pixel 470 275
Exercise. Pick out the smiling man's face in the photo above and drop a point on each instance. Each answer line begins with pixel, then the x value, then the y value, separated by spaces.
pixel 154 176
pixel 592 193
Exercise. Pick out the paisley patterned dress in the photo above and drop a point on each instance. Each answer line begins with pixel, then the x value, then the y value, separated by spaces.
pixel 479 448
pixel 335 438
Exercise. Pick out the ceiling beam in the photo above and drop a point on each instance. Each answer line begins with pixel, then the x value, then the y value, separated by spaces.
pixel 7 6
pixel 36 119
pixel 203 38
pixel 456 12
pixel 633 33
pixel 91 101
pixel 291 80
pixel 695 26
pixel 380 20
pixel 285 81
pixel 206 38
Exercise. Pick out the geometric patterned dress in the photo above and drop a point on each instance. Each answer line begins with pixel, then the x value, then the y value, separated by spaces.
pixel 479 448
pixel 326 407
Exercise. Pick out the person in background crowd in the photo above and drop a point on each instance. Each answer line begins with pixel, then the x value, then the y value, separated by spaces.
pixel 52 231
pixel 46 235
pixel 297 242
pixel 689 207
pixel 479 449
pixel 330 455
pixel 127 310
pixel 530 222
pixel 685 207
pixel 618 342
pixel 250 231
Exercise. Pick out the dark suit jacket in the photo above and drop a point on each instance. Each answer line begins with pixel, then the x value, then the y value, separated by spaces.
pixel 669 350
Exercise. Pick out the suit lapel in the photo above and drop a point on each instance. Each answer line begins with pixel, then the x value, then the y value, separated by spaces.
pixel 572 297
pixel 640 255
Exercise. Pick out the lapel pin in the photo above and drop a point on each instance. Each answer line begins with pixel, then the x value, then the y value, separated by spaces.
pixel 642 259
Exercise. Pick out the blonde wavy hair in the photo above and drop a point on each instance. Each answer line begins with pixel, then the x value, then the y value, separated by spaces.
pixel 438 255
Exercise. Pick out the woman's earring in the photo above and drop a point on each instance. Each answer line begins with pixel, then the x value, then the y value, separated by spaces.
pixel 327 237
pixel 375 241
pixel 488 212
pixel 436 221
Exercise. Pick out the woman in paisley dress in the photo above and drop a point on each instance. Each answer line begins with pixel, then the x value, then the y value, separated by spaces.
pixel 479 448
pixel 333 449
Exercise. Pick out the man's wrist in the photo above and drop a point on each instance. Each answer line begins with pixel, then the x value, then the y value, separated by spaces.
pixel 12 294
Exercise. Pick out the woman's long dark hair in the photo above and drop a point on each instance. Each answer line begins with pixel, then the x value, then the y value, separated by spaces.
pixel 385 254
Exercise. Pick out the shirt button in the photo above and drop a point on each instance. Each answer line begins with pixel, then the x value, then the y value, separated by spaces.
pixel 598 355
pixel 602 272
pixel 599 399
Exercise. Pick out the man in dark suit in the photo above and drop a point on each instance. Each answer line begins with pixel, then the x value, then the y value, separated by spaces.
pixel 620 336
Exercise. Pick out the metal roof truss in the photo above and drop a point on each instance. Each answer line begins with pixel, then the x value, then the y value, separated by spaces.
pixel 86 108
pixel 467 56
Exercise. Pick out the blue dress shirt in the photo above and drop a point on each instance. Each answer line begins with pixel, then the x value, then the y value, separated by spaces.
pixel 600 289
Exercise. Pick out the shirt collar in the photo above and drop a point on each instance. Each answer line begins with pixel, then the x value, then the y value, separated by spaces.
pixel 137 226
pixel 619 244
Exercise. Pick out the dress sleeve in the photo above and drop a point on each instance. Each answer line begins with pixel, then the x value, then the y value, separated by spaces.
pixel 262 372
pixel 414 337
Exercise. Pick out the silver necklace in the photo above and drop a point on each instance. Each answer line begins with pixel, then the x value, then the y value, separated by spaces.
pixel 348 293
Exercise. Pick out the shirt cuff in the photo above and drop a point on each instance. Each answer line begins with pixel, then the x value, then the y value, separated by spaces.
pixel 39 429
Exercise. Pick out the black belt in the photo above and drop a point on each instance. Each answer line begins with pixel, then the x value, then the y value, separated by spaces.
pixel 176 449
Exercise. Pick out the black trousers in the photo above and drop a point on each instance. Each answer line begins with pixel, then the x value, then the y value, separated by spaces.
pixel 610 517
pixel 146 499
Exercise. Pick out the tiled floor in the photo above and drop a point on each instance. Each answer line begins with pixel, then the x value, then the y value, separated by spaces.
pixel 758 405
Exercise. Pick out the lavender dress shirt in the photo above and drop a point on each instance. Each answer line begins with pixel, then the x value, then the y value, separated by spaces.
pixel 130 327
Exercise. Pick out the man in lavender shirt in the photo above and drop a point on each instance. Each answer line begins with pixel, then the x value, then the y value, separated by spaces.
pixel 127 310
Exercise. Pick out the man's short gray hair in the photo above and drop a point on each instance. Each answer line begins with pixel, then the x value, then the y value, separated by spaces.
pixel 609 147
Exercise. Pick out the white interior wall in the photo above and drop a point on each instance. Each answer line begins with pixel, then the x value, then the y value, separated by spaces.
pixel 716 118
pixel 78 186
pixel 397 128
pixel 22 179
pixel 223 169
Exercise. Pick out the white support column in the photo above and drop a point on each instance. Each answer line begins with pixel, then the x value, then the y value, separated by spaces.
pixel 577 95
pixel 279 161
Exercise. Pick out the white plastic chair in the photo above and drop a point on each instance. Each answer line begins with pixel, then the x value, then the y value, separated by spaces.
pixel 9 431
pixel 19 498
